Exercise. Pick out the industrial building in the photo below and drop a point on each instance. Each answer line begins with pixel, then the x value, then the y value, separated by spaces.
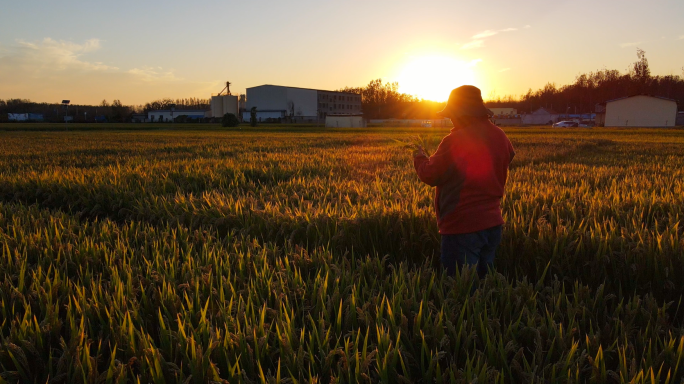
pixel 637 111
pixel 274 102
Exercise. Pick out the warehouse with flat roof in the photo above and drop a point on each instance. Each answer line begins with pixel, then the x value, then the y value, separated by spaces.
pixel 275 102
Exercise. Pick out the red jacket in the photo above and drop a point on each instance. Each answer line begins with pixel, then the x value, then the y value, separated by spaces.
pixel 469 169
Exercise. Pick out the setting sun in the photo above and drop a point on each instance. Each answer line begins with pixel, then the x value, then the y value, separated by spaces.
pixel 433 77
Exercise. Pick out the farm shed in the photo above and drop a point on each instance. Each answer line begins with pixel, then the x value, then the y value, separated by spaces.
pixel 344 121
pixel 640 111
pixel 541 116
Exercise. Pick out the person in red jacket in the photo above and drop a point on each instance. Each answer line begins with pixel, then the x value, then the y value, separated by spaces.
pixel 469 169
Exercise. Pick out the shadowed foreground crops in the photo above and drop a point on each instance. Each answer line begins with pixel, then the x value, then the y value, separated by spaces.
pixel 312 257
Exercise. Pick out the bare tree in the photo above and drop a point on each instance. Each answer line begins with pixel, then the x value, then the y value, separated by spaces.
pixel 640 68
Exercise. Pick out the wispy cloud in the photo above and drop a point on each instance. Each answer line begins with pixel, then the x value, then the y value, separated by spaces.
pixel 57 55
pixel 154 74
pixel 680 37
pixel 50 69
pixel 625 45
pixel 473 44
pixel 489 32
pixel 48 55
pixel 527 26
pixel 474 62
pixel 478 38
pixel 484 34
pixel 503 70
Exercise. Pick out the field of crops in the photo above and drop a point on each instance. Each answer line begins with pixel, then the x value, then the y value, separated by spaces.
pixel 259 256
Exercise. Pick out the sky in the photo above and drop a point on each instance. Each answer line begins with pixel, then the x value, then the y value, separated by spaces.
pixel 138 51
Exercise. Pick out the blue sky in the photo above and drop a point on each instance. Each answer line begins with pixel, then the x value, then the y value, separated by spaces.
pixel 143 50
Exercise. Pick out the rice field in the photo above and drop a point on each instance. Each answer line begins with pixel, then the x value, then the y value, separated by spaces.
pixel 312 256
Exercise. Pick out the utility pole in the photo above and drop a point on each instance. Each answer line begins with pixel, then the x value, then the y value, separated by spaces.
pixel 65 103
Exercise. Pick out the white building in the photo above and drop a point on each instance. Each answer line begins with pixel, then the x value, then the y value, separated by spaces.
pixel 17 116
pixel 164 116
pixel 298 104
pixel 344 121
pixel 541 116
pixel 640 111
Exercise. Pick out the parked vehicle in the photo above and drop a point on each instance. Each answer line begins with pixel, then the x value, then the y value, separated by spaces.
pixel 563 124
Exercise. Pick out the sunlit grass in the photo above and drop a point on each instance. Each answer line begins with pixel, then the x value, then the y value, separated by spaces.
pixel 168 256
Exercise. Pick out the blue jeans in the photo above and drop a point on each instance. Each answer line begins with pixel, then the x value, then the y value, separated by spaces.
pixel 476 248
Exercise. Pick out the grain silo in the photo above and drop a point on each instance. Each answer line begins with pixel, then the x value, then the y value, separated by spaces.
pixel 224 103
pixel 217 106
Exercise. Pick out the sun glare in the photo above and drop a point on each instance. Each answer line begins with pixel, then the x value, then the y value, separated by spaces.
pixel 433 77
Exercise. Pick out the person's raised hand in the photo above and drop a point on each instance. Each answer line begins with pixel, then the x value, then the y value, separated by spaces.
pixel 419 151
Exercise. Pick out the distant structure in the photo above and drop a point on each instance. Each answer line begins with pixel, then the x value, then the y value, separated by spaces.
pixel 139 118
pixel 277 103
pixel 224 103
pixel 637 111
pixel 425 123
pixel 344 121
pixel 167 115
pixel 504 111
pixel 242 102
pixel 680 119
pixel 25 116
pixel 541 116
pixel 505 116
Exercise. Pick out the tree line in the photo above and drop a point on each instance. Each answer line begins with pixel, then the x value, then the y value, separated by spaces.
pixel 597 87
pixel 383 101
pixel 115 111
pixel 179 104
pixel 55 112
